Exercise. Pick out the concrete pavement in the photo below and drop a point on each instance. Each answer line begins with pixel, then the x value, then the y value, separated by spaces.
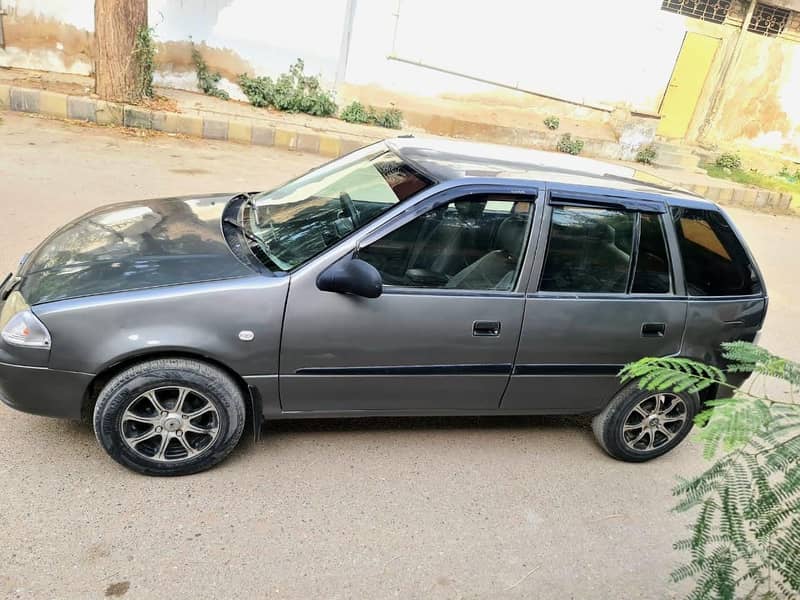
pixel 387 508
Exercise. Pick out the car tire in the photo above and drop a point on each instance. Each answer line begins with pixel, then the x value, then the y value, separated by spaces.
pixel 144 419
pixel 639 425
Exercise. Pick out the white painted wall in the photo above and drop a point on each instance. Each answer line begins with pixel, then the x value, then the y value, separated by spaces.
pixel 599 52
pixel 79 13
pixel 610 51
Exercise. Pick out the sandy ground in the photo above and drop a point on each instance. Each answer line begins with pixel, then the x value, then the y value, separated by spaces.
pixel 406 508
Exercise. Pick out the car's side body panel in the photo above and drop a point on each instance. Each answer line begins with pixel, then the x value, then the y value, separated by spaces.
pixel 92 334
pixel 571 349
pixel 712 321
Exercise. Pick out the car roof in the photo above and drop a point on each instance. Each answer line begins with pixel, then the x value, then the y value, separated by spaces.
pixel 448 160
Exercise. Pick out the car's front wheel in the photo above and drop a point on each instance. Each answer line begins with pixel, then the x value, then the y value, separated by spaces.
pixel 638 425
pixel 169 416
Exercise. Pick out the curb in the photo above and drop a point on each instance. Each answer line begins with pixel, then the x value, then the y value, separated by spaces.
pixel 210 126
pixel 752 198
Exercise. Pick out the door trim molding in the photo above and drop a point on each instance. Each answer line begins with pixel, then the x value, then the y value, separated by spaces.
pixel 472 369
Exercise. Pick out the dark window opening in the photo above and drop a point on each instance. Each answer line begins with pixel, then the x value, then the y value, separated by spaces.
pixel 713 11
pixel 768 20
pixel 652 274
pixel 589 250
pixel 475 243
pixel 714 261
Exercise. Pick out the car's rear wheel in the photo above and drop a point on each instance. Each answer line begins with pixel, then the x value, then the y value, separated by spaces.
pixel 169 416
pixel 638 425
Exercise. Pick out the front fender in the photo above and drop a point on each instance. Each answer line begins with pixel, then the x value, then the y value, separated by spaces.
pixel 94 333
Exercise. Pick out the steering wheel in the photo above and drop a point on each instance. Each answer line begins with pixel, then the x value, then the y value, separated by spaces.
pixel 349 208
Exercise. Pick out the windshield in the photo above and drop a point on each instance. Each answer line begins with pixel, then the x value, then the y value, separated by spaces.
pixel 312 213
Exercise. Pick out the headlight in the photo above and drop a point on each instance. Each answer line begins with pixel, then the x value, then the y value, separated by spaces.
pixel 20 325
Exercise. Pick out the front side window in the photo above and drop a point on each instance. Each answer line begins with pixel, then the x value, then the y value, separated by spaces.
pixel 589 250
pixel 476 243
pixel 714 261
pixel 307 216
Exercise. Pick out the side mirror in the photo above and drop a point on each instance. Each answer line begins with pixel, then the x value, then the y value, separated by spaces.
pixel 351 276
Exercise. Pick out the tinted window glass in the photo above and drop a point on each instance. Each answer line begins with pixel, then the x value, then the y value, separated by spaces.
pixel 589 250
pixel 714 261
pixel 652 263
pixel 474 244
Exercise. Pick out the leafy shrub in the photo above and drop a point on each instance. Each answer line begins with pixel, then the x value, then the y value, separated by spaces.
pixel 257 89
pixel 291 92
pixel 391 118
pixel 206 80
pixel 729 160
pixel 646 154
pixel 552 122
pixel 746 534
pixel 144 51
pixel 569 145
pixel 355 112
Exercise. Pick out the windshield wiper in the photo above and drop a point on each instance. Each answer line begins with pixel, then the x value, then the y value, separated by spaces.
pixel 245 232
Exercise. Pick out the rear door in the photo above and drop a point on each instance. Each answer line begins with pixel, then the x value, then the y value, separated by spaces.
pixel 602 294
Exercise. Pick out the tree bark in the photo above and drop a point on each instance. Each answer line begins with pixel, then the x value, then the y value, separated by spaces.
pixel 116 23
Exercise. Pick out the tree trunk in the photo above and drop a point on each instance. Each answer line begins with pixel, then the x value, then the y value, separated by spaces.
pixel 116 23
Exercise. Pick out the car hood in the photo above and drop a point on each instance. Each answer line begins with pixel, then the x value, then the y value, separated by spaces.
pixel 131 246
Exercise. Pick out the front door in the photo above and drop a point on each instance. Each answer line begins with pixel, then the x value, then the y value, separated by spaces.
pixel 686 84
pixel 602 295
pixel 443 334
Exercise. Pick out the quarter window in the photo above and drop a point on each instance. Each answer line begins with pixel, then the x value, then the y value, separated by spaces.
pixel 476 243
pixel 714 261
pixel 652 275
pixel 589 250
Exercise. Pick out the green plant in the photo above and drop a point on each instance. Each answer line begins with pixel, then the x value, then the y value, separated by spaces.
pixel 292 92
pixel 144 52
pixel 769 182
pixel 784 172
pixel 391 118
pixel 646 154
pixel 552 122
pixel 355 112
pixel 570 145
pixel 728 160
pixel 206 79
pixel 745 539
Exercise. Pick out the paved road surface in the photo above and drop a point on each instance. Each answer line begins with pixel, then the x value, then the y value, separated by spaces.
pixel 407 508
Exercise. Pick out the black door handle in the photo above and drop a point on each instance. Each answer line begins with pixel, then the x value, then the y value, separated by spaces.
pixel 486 328
pixel 653 329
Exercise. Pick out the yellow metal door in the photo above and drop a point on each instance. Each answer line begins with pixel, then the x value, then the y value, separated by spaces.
pixel 688 77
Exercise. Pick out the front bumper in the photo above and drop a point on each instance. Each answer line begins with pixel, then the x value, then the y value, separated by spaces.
pixel 43 391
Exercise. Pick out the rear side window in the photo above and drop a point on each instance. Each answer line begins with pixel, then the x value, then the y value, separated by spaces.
pixel 714 261
pixel 589 250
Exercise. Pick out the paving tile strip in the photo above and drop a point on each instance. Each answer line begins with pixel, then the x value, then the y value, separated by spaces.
pixel 214 126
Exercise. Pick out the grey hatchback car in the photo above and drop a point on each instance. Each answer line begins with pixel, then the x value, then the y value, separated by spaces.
pixel 410 277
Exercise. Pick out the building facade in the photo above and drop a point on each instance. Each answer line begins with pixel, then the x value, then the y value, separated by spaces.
pixel 715 71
